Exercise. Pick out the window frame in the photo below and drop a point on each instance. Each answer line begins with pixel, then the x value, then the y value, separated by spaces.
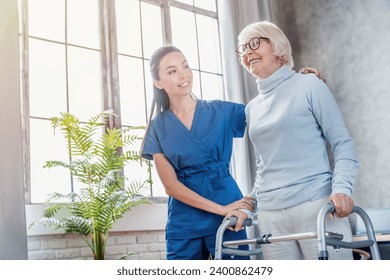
pixel 109 69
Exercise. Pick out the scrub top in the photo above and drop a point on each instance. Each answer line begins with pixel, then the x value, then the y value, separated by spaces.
pixel 200 157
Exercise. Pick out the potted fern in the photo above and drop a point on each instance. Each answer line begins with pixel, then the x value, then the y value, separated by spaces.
pixel 97 162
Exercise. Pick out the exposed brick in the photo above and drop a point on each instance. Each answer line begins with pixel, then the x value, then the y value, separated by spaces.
pixel 146 239
pixel 34 245
pixel 54 244
pixel 156 247
pixel 110 241
pixel 40 237
pixel 163 256
pixel 86 253
pixel 150 246
pixel 116 250
pixel 41 255
pixel 76 243
pixel 161 238
pixel 125 240
pixel 138 248
pixel 67 254
pixel 149 256
pixel 133 257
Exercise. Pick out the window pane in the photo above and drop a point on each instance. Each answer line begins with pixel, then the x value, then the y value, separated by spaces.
pixel 148 87
pixel 151 28
pixel 20 21
pixel 184 35
pixel 83 23
pixel 189 2
pixel 157 187
pixel 196 84
pixel 85 96
pixel 206 4
pixel 128 27
pixel 209 51
pixel 45 145
pixel 47 78
pixel 46 19
pixel 132 91
pixel 212 86
pixel 134 171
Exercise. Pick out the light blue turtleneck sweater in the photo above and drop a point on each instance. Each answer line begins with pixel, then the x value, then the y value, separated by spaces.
pixel 289 123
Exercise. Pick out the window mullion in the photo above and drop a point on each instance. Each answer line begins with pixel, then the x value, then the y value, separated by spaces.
pixel 25 100
pixel 109 57
pixel 166 23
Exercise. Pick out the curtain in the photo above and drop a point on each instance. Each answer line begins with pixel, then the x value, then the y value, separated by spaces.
pixel 240 86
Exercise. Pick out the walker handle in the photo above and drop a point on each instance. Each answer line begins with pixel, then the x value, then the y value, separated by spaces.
pixel 233 221
pixel 323 242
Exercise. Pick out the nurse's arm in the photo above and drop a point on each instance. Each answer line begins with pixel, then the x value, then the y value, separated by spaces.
pixel 174 188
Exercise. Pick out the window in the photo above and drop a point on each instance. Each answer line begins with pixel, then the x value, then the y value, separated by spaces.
pixel 87 56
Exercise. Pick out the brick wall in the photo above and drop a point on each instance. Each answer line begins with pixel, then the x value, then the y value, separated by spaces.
pixel 143 245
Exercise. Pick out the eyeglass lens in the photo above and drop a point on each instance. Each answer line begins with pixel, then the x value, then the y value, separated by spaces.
pixel 253 43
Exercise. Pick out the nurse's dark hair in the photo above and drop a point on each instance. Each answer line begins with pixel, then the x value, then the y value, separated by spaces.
pixel 160 98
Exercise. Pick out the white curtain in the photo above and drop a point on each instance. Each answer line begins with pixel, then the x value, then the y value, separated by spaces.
pixel 240 86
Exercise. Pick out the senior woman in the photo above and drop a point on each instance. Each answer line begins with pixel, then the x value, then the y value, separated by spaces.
pixel 290 122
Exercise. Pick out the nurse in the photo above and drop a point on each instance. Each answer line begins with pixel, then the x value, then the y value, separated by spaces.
pixel 190 142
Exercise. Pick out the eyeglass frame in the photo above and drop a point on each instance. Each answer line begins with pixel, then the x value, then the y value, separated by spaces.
pixel 243 53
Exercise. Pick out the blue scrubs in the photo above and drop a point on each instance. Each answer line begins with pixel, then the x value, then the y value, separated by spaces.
pixel 200 158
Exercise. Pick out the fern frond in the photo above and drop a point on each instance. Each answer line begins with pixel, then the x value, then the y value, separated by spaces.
pixel 51 222
pixel 74 224
pixel 54 163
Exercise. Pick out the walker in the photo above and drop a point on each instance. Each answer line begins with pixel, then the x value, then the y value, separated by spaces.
pixel 324 238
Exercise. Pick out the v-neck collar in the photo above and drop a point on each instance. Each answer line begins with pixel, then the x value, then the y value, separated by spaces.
pixel 194 119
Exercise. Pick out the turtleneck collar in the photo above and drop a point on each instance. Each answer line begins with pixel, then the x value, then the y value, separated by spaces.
pixel 266 85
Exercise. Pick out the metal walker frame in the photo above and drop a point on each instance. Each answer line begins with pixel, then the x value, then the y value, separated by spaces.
pixel 324 238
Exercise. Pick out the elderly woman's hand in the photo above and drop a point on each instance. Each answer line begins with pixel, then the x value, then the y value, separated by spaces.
pixel 307 70
pixel 241 216
pixel 343 204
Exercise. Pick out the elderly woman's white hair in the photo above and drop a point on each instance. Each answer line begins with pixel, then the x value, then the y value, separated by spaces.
pixel 279 42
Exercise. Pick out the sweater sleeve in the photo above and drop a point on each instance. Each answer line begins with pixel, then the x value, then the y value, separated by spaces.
pixel 328 116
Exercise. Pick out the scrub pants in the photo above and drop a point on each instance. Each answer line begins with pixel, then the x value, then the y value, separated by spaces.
pixel 202 248
pixel 300 219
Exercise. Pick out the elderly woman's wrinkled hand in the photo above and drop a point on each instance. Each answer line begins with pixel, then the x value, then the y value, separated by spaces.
pixel 241 216
pixel 343 204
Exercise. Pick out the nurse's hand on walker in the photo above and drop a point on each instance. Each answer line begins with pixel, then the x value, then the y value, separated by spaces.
pixel 246 202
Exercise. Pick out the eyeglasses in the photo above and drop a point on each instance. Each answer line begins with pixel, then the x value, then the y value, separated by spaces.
pixel 253 44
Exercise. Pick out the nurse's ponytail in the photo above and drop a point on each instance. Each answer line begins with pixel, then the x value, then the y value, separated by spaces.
pixel 160 98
